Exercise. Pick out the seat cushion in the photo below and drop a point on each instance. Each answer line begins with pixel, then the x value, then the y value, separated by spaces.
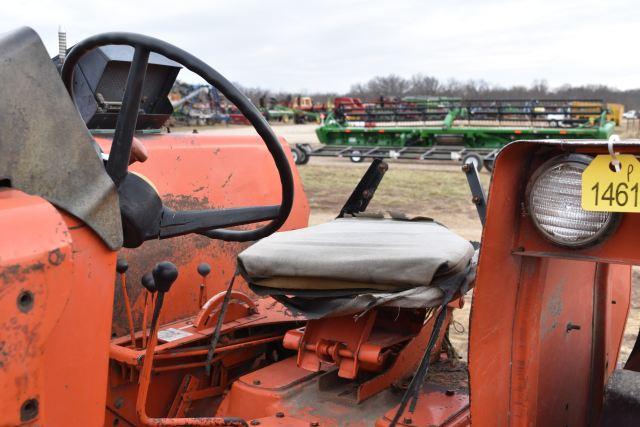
pixel 356 253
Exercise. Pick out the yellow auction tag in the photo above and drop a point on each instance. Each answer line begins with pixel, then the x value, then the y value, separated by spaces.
pixel 605 190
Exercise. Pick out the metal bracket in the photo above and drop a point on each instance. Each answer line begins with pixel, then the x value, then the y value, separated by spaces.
pixel 366 188
pixel 477 192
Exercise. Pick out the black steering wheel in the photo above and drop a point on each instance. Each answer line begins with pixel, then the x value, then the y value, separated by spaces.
pixel 144 215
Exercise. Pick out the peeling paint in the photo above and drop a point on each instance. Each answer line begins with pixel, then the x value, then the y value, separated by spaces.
pixel 552 311
pixel 16 272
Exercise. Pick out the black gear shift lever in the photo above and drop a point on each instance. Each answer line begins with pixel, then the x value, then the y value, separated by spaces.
pixel 164 274
pixel 150 285
pixel 203 270
pixel 121 267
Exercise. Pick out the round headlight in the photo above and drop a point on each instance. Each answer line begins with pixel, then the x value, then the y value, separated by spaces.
pixel 554 195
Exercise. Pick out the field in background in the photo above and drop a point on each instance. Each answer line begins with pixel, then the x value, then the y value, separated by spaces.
pixel 435 189
pixel 429 190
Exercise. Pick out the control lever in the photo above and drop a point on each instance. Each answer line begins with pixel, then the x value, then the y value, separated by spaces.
pixel 161 278
pixel 149 284
pixel 121 267
pixel 203 270
pixel 164 275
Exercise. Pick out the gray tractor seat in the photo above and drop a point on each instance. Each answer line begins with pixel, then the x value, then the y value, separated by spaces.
pixel 375 260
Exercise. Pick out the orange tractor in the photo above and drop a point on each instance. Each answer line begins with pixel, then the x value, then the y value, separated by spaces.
pixel 136 291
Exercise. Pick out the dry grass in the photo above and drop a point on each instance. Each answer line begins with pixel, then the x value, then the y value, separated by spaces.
pixel 629 129
pixel 406 189
pixel 441 194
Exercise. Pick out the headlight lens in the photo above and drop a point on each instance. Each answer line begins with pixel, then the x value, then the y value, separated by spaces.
pixel 554 203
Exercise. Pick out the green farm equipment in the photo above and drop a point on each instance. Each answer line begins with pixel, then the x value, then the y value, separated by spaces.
pixel 453 129
pixel 278 113
pixel 303 116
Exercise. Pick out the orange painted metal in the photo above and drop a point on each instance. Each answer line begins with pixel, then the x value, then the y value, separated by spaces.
pixel 434 408
pixel 260 393
pixel 336 340
pixel 353 343
pixel 186 356
pixel 282 391
pixel 145 311
pixel 282 421
pixel 180 405
pixel 143 389
pixel 203 293
pixel 546 321
pixel 57 290
pixel 407 359
pixel 269 313
pixel 620 296
pixel 317 396
pixel 240 305
pixel 127 306
pixel 197 171
pixel 529 364
pixel 254 341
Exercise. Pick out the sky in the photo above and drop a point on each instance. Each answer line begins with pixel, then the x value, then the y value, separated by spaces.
pixel 326 46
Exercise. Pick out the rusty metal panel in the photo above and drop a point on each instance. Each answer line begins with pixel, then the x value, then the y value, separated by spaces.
pixel 200 171
pixel 531 296
pixel 553 342
pixel 35 269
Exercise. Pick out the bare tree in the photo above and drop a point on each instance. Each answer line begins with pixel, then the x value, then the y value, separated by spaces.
pixel 425 85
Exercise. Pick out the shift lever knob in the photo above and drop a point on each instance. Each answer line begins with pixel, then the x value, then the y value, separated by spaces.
pixel 164 274
pixel 204 269
pixel 122 266
pixel 148 283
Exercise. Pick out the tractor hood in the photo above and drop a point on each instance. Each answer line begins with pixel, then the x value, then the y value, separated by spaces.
pixel 45 148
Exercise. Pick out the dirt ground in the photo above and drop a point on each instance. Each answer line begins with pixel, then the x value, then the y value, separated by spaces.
pixel 435 189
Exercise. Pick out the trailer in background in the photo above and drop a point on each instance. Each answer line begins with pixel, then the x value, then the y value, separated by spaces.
pixel 452 129
pixel 480 157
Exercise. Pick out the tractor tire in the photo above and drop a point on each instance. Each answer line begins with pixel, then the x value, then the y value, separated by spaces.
pixel 473 158
pixel 356 157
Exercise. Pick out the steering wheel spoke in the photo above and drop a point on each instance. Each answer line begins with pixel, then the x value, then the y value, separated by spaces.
pixel 118 162
pixel 177 223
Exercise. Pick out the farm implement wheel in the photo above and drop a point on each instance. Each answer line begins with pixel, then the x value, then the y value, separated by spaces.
pixel 299 156
pixel 356 156
pixel 473 158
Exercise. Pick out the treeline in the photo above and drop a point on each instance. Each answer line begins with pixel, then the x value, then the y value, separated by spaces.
pixel 422 85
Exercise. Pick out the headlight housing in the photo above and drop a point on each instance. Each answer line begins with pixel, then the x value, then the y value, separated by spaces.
pixel 554 195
